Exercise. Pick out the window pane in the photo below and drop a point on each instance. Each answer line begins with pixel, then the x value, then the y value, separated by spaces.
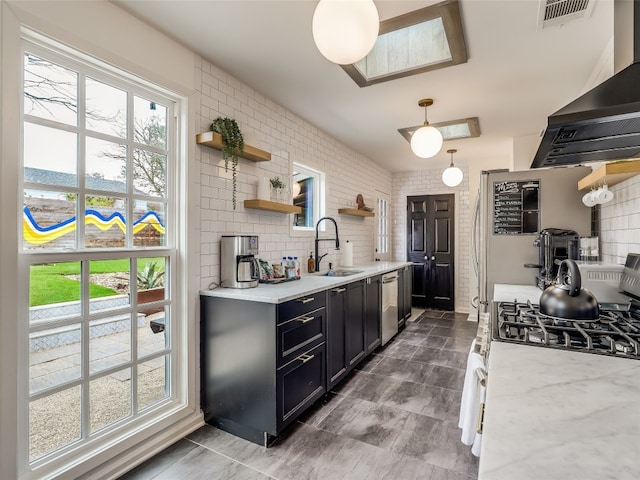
pixel 106 108
pixel 153 333
pixel 54 357
pixel 105 222
pixel 50 91
pixel 153 381
pixel 109 342
pixel 54 421
pixel 150 123
pixel 149 173
pixel 48 220
pixel 149 220
pixel 50 156
pixel 54 291
pixel 109 399
pixel 106 165
pixel 109 284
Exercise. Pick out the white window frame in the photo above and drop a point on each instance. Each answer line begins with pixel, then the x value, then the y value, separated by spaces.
pixel 160 412
pixel 382 233
pixel 319 194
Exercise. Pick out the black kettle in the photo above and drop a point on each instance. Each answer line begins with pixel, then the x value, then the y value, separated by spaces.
pixel 567 299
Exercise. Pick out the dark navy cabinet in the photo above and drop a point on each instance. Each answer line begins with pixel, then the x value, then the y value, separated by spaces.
pixel 372 312
pixel 262 364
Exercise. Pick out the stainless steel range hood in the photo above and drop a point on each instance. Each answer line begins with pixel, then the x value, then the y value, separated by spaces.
pixel 604 123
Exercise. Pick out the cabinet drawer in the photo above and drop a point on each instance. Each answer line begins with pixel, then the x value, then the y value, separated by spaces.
pixel 300 334
pixel 300 306
pixel 300 383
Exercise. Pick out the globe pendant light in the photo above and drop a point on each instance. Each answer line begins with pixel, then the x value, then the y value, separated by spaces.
pixel 426 142
pixel 452 176
pixel 345 30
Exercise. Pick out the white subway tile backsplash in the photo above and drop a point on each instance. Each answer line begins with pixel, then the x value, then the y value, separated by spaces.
pixel 620 222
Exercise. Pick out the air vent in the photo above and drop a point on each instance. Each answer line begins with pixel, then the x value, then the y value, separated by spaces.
pixel 557 12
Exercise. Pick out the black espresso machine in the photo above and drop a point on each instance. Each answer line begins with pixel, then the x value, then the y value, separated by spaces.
pixel 554 245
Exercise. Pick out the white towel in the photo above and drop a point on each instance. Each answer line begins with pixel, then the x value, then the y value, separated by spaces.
pixel 473 394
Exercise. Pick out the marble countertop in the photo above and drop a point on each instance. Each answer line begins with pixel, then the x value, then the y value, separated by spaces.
pixel 307 285
pixel 552 414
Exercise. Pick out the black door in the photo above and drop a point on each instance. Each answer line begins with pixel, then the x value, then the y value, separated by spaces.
pixel 430 246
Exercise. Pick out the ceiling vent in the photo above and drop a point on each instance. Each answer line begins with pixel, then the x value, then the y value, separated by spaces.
pixel 557 12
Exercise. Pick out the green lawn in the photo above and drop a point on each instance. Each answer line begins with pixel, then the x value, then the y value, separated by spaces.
pixel 48 283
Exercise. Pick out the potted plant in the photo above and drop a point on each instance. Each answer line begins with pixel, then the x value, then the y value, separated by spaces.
pixel 277 189
pixel 150 286
pixel 232 145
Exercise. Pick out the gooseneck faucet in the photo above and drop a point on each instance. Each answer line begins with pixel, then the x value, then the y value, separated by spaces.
pixel 337 240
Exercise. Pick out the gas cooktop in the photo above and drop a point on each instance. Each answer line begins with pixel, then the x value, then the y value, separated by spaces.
pixel 615 333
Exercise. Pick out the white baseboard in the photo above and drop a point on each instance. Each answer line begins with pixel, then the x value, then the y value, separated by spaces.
pixel 136 455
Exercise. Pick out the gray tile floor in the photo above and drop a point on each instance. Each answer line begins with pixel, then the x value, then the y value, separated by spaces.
pixel 395 416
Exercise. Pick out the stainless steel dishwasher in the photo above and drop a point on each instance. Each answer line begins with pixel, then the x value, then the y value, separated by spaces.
pixel 389 306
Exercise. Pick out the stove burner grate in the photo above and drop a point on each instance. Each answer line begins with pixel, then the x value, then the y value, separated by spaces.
pixel 615 333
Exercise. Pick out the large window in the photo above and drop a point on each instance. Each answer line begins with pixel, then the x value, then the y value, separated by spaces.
pixel 99 245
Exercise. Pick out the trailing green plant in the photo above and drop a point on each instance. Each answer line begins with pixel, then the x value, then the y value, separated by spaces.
pixel 150 276
pixel 232 145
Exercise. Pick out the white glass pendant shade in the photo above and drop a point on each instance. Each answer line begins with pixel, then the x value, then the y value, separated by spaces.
pixel 345 30
pixel 452 176
pixel 426 142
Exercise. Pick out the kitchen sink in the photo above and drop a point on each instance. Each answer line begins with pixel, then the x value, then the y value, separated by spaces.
pixel 339 273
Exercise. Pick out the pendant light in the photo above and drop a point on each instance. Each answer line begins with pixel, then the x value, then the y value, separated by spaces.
pixel 345 30
pixel 452 176
pixel 426 142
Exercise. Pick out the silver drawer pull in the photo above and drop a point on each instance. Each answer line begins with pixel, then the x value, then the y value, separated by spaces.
pixel 306 300
pixel 305 319
pixel 338 290
pixel 304 358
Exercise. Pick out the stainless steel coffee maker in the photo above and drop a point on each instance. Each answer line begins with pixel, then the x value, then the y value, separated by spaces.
pixel 238 261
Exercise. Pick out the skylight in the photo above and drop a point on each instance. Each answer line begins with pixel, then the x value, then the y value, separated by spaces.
pixel 416 42
pixel 451 130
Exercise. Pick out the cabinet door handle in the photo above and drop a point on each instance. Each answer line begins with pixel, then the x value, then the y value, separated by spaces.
pixel 306 300
pixel 338 290
pixel 304 319
pixel 304 358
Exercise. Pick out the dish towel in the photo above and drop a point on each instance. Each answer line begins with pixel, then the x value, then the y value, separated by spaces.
pixel 473 394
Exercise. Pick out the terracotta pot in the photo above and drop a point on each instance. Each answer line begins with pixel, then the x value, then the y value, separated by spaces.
pixel 151 295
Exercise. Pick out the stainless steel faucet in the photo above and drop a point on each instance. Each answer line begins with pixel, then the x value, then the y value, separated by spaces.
pixel 337 240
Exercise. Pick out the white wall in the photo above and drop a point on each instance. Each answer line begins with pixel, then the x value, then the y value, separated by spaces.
pixel 620 222
pixel 289 138
pixel 429 182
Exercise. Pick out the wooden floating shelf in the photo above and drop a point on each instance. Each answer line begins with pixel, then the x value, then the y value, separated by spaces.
pixel 272 206
pixel 214 140
pixel 611 173
pixel 355 212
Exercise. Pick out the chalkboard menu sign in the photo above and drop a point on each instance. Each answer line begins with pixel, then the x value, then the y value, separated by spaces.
pixel 516 207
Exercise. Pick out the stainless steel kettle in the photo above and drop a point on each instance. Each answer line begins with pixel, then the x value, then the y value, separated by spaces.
pixel 567 299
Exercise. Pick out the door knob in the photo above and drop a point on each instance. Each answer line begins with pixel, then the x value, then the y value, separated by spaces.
pixel 433 257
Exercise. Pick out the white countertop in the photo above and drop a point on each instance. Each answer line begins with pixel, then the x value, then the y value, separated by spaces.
pixel 307 285
pixel 521 293
pixel 552 414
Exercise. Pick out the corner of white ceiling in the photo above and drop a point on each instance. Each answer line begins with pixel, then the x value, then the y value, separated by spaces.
pixel 603 68
pixel 524 149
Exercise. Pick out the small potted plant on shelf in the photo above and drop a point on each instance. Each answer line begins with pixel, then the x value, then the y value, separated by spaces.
pixel 277 189
pixel 232 145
